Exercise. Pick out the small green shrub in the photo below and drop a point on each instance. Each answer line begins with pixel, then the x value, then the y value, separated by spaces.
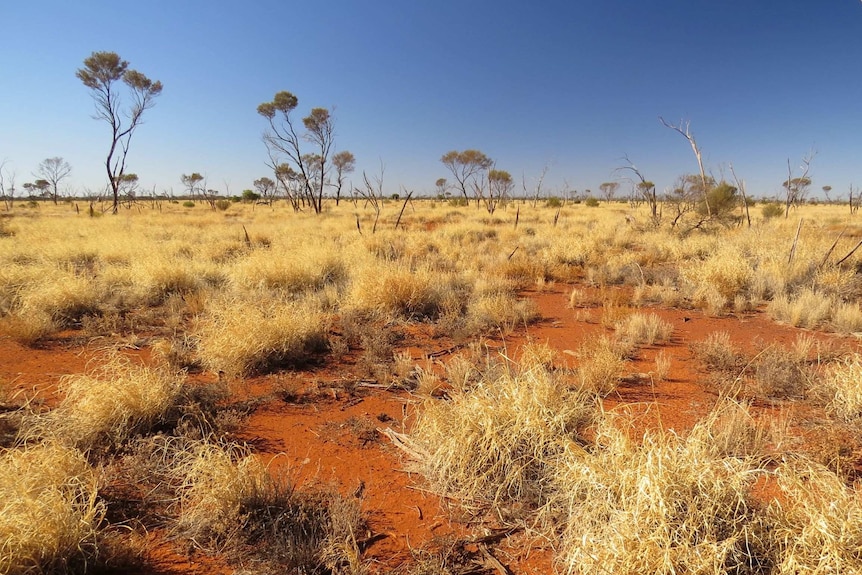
pixel 222 205
pixel 591 202
pixel 188 204
pixel 773 210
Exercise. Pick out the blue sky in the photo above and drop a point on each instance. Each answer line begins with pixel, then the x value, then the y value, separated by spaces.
pixel 572 85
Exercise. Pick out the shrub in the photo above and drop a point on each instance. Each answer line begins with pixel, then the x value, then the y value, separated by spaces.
pixel 188 204
pixel 222 205
pixel 771 210
pixel 717 352
pixel 591 202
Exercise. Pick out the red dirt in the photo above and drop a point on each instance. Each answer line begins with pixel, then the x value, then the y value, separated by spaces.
pixel 333 440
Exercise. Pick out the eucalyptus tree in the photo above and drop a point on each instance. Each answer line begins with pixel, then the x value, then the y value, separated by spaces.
pixel 466 167
pixel 53 171
pixel 101 73
pixel 285 144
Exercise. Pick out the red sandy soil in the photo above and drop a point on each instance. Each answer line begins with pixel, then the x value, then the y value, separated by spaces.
pixel 333 439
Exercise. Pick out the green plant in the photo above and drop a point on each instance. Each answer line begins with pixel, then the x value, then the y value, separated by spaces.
pixel 771 210
pixel 222 205
pixel 188 204
pixel 591 202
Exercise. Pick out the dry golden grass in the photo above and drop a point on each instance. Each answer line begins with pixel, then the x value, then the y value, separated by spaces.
pixel 105 407
pixel 841 388
pixel 229 500
pixel 49 509
pixel 487 446
pixel 600 364
pixel 662 504
pixel 244 336
pixel 644 329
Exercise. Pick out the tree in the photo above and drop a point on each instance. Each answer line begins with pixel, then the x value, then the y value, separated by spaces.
pixel 194 183
pixel 796 188
pixel 265 188
pixel 644 188
pixel 282 140
pixel 826 190
pixel 683 129
pixel 38 188
pixel 53 171
pixel 442 187
pixel 101 72
pixel 466 166
pixel 7 185
pixel 344 163
pixel 609 189
pixel 500 186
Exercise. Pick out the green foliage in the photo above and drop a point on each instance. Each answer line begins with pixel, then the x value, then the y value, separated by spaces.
pixel 591 202
pixel 554 202
pixel 250 196
pixel 188 204
pixel 722 198
pixel 771 210
pixel 222 205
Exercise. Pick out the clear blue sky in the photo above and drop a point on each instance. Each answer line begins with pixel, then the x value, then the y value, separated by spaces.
pixel 575 85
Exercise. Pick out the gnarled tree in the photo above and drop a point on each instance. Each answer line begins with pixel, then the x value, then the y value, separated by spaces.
pixel 101 73
pixel 466 167
pixel 284 144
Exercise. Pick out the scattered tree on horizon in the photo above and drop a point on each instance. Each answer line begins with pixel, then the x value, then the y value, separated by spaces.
pixel 53 171
pixel 344 164
pixel 194 184
pixel 282 140
pixel 609 190
pixel 466 167
pixel 796 188
pixel 101 72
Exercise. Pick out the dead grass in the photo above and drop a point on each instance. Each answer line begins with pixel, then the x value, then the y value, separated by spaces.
pixel 105 407
pixel 488 446
pixel 242 337
pixel 49 510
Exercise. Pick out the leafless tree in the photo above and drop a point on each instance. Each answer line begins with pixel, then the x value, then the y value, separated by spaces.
pixel 796 188
pixel 683 128
pixel 642 187
pixel 740 185
pixel 7 185
pixel 53 171
pixel 609 189
pixel 372 193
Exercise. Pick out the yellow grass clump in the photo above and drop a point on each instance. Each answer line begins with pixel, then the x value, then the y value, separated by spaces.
pixel 49 509
pixel 488 445
pixel 241 336
pixel 108 405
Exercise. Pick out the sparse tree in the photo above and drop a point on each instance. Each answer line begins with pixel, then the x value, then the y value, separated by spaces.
pixel 826 190
pixel 53 171
pixel 194 184
pixel 128 188
pixel 38 188
pixel 500 187
pixel 466 167
pixel 265 188
pixel 442 187
pixel 683 128
pixel 7 185
pixel 101 72
pixel 643 188
pixel 283 140
pixel 609 190
pixel 344 163
pixel 796 188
